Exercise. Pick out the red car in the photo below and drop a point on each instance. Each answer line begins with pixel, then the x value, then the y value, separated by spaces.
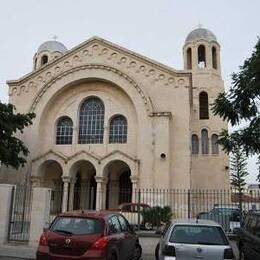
pixel 89 235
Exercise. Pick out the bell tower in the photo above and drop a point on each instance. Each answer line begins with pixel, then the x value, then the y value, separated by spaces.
pixel 201 54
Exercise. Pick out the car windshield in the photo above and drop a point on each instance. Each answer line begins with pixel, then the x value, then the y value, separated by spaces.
pixel 205 235
pixel 77 226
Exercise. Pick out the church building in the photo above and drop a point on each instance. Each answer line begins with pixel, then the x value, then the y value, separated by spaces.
pixel 109 119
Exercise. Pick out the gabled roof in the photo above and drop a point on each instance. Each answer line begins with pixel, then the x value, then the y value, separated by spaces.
pixel 108 44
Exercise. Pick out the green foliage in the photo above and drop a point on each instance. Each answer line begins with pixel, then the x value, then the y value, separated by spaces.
pixel 258 164
pixel 238 170
pixel 12 150
pixel 241 104
pixel 157 215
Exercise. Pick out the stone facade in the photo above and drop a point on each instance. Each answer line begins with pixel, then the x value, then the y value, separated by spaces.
pixel 160 104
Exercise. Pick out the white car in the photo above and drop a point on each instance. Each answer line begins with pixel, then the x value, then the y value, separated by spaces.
pixel 189 239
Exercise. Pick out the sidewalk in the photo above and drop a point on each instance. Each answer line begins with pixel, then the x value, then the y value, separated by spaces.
pixel 17 250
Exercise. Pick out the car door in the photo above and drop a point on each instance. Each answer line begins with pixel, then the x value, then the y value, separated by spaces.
pixel 116 236
pixel 129 239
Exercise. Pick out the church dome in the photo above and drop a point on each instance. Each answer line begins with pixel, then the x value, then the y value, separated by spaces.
pixel 52 46
pixel 201 33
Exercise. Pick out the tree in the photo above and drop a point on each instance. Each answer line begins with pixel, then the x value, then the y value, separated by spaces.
pixel 12 150
pixel 258 164
pixel 241 104
pixel 238 172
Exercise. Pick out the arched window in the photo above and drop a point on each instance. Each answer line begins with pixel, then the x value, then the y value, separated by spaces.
pixel 64 131
pixel 204 105
pixel 44 59
pixel 214 58
pixel 202 56
pixel 214 144
pixel 204 141
pixel 118 130
pixel 194 144
pixel 91 121
pixel 189 59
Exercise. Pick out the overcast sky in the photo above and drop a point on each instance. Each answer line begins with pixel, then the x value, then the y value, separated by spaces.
pixel 155 28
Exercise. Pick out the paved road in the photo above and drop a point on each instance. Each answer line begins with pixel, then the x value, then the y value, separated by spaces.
pixel 148 245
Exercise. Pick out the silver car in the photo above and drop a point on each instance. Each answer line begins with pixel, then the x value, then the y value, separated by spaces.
pixel 190 239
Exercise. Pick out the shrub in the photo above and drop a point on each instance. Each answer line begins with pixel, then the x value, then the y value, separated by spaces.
pixel 156 216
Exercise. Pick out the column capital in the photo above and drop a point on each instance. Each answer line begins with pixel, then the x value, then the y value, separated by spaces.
pixel 66 179
pixel 101 180
pixel 36 180
pixel 134 179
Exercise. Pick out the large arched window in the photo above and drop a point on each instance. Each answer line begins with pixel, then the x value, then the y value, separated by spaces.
pixel 118 129
pixel 202 56
pixel 204 105
pixel 189 59
pixel 91 121
pixel 194 144
pixel 214 58
pixel 64 131
pixel 214 144
pixel 204 141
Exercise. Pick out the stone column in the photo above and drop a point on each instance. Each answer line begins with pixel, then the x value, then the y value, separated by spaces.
pixel 71 195
pixel 106 135
pixel 66 181
pixel 5 210
pixel 99 197
pixel 135 181
pixel 40 213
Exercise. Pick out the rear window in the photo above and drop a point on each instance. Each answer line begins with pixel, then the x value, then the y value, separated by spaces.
pixel 204 235
pixel 77 226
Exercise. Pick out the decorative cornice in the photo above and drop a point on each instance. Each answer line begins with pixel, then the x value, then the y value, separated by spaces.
pixel 146 99
pixel 94 156
pixel 121 153
pixel 93 42
pixel 58 154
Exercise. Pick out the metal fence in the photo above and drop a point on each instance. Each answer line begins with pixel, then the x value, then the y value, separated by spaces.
pixel 20 213
pixel 150 209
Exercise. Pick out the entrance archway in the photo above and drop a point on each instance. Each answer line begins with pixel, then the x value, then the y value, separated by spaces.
pixel 119 186
pixel 83 188
pixel 50 173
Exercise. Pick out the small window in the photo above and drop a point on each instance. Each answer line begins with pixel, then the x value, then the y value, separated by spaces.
pixel 118 130
pixel 195 144
pixel 64 131
pixel 189 59
pixel 114 225
pixel 204 105
pixel 204 141
pixel 214 144
pixel 202 56
pixel 214 58
pixel 44 60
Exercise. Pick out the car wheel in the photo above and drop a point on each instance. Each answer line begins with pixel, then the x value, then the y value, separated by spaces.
pixel 138 252
pixel 157 251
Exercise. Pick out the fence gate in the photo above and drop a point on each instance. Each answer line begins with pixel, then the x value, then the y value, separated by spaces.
pixel 20 217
